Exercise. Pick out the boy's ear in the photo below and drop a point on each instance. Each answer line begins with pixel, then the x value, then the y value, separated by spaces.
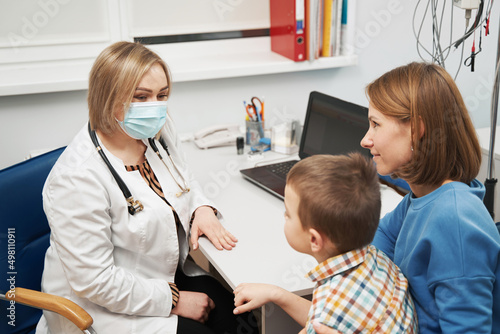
pixel 320 244
pixel 316 240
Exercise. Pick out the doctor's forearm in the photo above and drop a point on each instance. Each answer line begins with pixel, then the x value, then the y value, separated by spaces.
pixel 120 291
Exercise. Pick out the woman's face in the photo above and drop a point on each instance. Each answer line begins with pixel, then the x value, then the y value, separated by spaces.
pixel 153 86
pixel 389 141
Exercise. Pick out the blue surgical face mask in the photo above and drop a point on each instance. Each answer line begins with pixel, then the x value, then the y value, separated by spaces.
pixel 144 119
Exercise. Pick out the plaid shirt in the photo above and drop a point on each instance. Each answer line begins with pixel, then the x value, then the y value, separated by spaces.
pixel 361 291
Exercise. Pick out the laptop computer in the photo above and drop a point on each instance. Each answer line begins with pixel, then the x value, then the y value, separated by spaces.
pixel 331 126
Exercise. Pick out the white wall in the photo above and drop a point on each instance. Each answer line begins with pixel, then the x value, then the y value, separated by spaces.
pixel 385 40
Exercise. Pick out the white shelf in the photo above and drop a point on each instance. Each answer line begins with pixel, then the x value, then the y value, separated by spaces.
pixel 249 64
pixel 44 77
pixel 187 61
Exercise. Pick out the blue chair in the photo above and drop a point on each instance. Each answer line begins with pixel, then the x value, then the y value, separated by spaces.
pixel 24 236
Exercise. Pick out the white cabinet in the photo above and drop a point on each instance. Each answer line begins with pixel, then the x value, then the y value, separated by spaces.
pixel 50 45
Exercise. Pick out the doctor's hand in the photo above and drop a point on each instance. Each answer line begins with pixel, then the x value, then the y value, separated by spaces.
pixel 206 223
pixel 194 305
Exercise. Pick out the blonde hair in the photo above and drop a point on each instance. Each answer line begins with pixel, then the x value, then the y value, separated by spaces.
pixel 339 195
pixel 113 79
pixel 425 94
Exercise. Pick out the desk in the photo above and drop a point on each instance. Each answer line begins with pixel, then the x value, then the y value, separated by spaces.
pixel 256 218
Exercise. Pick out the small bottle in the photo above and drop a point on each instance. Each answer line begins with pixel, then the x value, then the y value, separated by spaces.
pixel 240 144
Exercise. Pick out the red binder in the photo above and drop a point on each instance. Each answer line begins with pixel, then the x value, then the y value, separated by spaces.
pixel 288 29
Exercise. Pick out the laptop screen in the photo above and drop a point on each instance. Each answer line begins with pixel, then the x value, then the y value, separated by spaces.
pixel 333 126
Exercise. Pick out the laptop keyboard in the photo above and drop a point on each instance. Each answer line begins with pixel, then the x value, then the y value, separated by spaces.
pixel 281 169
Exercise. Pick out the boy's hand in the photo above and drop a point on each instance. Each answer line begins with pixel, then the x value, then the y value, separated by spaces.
pixel 321 329
pixel 249 296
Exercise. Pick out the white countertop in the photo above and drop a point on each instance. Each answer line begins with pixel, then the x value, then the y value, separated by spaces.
pixel 256 218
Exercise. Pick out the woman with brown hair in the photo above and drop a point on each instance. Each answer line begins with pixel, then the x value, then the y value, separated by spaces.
pixel 440 235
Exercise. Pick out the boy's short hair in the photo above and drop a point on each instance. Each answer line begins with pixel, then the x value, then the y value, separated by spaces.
pixel 339 196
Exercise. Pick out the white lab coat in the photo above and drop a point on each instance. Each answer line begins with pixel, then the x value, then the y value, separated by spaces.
pixel 115 265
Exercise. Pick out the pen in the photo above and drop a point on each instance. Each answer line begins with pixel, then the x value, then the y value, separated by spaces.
pixel 259 117
pixel 262 111
pixel 259 120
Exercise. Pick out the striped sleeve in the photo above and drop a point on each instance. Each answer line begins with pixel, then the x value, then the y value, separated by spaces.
pixel 175 294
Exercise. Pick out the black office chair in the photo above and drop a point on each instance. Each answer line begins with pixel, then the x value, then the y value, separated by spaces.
pixel 24 236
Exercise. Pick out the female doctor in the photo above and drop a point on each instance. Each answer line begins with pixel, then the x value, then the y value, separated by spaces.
pixel 122 208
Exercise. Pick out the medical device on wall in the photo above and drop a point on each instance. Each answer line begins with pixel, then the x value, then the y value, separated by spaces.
pixel 466 4
pixel 218 135
pixel 448 37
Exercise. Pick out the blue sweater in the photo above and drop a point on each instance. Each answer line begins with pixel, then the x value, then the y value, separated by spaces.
pixel 448 247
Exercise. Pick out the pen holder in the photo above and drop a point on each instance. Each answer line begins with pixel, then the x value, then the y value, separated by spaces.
pixel 254 132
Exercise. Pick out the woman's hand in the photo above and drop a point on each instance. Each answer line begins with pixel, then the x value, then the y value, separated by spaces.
pixel 194 305
pixel 249 296
pixel 206 223
pixel 321 329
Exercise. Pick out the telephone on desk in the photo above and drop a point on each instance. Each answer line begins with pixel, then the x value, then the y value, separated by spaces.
pixel 217 135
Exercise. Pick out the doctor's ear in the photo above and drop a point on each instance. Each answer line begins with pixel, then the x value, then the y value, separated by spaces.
pixel 119 110
pixel 119 114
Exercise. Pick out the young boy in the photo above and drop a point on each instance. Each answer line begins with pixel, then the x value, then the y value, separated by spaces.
pixel 332 208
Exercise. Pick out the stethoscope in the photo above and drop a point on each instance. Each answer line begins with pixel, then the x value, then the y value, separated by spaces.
pixel 135 206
